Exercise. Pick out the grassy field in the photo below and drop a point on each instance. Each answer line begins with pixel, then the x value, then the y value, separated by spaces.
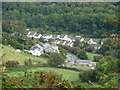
pixel 71 75
pixel 91 56
pixel 10 55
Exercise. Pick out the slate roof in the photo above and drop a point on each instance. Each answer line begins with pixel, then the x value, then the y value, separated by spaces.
pixel 36 47
pixel 37 34
pixel 55 36
pixel 45 35
pixel 83 61
pixel 32 33
pixel 97 41
pixel 62 36
pixel 87 39
pixel 61 42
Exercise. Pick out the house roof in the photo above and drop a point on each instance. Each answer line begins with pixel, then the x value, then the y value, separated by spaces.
pixel 87 39
pixel 32 33
pixel 71 37
pixel 37 34
pixel 97 41
pixel 62 35
pixel 67 42
pixel 61 42
pixel 45 34
pixel 83 61
pixel 55 36
pixel 36 47
pixel 46 46
pixel 95 45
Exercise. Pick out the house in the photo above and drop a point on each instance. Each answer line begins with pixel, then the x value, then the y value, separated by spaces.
pixel 46 36
pixel 31 34
pixel 86 62
pixel 102 41
pixel 96 46
pixel 14 33
pixel 18 50
pixel 63 37
pixel 87 40
pixel 55 36
pixel 36 50
pixel 71 44
pixel 70 38
pixel 62 42
pixel 37 35
pixel 50 48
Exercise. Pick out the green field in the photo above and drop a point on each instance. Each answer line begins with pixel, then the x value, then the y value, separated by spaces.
pixel 10 55
pixel 71 75
pixel 91 55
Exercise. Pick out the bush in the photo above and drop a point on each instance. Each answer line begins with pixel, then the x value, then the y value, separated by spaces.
pixel 28 62
pixel 88 75
pixel 82 55
pixel 97 58
pixel 56 59
pixel 11 63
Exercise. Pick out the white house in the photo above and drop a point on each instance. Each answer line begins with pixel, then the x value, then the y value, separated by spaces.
pixel 47 36
pixel 17 50
pixel 31 34
pixel 37 35
pixel 50 48
pixel 36 50
pixel 91 41
pixel 63 37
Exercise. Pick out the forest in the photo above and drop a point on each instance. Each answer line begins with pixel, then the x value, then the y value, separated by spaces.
pixel 90 19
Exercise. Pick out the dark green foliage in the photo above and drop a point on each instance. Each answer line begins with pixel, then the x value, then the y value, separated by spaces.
pixel 107 71
pixel 11 64
pixel 87 75
pixel 97 58
pixel 80 18
pixel 77 43
pixel 56 59
pixel 89 49
pixel 74 50
pixel 82 55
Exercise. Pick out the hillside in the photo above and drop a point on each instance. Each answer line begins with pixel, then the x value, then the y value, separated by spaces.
pixel 10 54
pixel 88 19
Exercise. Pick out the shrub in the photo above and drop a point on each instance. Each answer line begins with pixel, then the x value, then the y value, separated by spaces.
pixel 56 59
pixel 82 55
pixel 11 63
pixel 88 75
pixel 28 62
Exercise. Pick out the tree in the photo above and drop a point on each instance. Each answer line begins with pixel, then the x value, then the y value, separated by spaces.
pixel 77 43
pixel 87 75
pixel 56 59
pixel 82 55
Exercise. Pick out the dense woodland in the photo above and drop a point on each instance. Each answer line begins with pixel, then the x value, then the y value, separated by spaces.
pixel 91 19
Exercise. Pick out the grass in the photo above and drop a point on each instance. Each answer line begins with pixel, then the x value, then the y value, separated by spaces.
pixel 10 55
pixel 90 55
pixel 66 73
